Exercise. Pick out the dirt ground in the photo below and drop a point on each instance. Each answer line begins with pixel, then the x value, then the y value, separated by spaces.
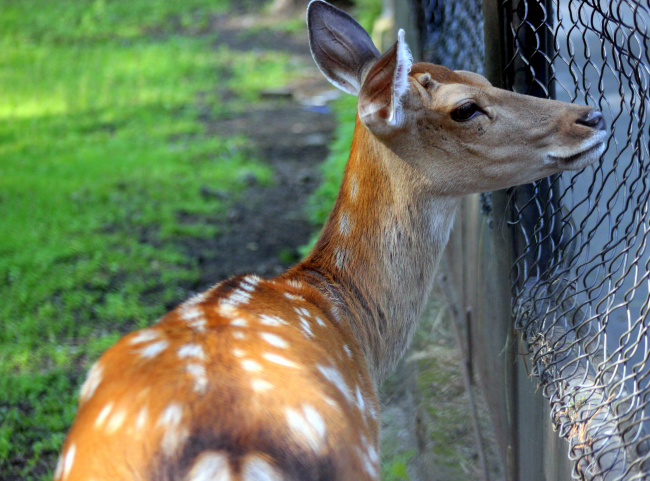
pixel 289 130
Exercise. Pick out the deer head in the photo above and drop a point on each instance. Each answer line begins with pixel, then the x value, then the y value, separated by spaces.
pixel 456 131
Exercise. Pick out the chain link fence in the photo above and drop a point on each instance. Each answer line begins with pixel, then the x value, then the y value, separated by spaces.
pixel 580 277
pixel 451 33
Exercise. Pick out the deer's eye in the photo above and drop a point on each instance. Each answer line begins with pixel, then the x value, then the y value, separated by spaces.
pixel 465 112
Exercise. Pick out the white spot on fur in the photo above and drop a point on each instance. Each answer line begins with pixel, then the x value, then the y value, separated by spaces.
pixel 320 322
pixel 331 402
pixel 335 377
pixel 301 311
pixel 361 404
pixel 141 418
pixel 260 385
pixel 258 469
pixel 198 324
pixel 345 225
pixel 93 380
pixel 295 283
pixel 249 283
pixel 274 340
pixel 353 187
pixel 58 471
pixel 171 416
pixel 251 365
pixel 197 371
pixel 340 257
pixel 210 466
pixel 174 434
pixel 347 351
pixel 115 421
pixel 368 465
pixel 272 320
pixel 236 297
pixel 294 297
pixel 191 350
pixel 314 419
pixel 226 310
pixel 191 313
pixel 145 335
pixel 103 414
pixel 306 327
pixel 283 361
pixel 308 426
pixel 152 350
pixel 373 455
pixel 68 461
pixel 239 335
pixel 238 352
pixel 239 322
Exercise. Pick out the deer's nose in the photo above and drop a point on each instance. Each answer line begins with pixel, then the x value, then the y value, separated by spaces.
pixel 594 119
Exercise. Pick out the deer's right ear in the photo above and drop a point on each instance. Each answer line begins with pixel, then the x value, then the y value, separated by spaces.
pixel 341 48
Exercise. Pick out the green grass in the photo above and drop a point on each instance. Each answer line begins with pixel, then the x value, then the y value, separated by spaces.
pixel 396 469
pixel 103 155
pixel 322 200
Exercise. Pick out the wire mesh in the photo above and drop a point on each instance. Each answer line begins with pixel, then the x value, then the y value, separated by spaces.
pixel 581 281
pixel 452 33
pixel 581 276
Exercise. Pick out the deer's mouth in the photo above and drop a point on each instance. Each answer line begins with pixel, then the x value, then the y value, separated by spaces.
pixel 580 159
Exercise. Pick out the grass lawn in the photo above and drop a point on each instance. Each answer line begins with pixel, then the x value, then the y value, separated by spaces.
pixel 101 149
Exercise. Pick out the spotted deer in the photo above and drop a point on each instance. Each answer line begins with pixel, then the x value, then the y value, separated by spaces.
pixel 270 380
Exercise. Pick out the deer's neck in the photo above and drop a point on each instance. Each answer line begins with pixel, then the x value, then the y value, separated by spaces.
pixel 379 249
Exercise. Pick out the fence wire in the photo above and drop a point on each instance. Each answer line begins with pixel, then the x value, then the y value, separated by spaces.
pixel 452 33
pixel 581 281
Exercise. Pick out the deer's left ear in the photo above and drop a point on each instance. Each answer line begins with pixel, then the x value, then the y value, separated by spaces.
pixel 341 48
pixel 380 99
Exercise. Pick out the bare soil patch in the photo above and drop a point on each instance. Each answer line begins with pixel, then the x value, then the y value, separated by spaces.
pixel 288 130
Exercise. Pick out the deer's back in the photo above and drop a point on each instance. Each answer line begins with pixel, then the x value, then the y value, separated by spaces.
pixel 249 380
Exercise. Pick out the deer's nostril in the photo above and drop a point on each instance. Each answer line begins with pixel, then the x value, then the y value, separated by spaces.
pixel 594 119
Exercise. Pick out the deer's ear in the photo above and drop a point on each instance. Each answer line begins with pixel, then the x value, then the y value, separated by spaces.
pixel 341 48
pixel 380 100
